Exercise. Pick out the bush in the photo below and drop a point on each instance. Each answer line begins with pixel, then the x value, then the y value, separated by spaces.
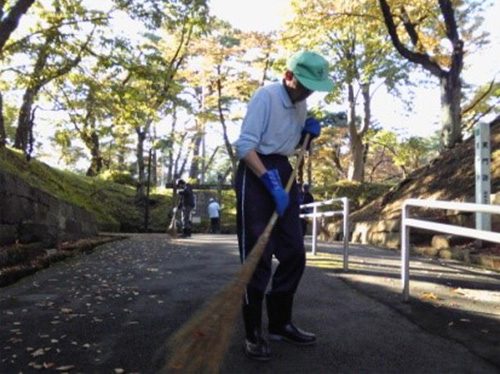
pixel 117 176
pixel 359 194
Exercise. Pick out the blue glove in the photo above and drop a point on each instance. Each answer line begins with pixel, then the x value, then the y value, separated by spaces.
pixel 312 127
pixel 272 181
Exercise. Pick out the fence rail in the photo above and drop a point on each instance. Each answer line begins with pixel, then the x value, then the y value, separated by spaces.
pixel 318 214
pixel 407 222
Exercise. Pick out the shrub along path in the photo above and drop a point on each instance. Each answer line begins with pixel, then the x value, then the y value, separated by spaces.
pixel 112 309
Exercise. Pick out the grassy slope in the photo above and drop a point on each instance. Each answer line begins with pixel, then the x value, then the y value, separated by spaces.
pixel 112 204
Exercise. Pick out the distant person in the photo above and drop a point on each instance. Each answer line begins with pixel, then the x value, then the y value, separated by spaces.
pixel 186 205
pixel 306 198
pixel 214 215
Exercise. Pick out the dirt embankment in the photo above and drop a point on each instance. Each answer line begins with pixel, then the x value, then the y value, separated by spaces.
pixel 451 176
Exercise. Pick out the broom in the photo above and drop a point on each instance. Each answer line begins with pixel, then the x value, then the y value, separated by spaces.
pixel 172 228
pixel 200 344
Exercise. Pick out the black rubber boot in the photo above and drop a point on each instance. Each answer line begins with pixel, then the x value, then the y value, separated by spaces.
pixel 281 328
pixel 255 345
pixel 185 233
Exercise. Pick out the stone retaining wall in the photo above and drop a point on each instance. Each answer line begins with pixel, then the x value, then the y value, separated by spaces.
pixel 386 234
pixel 30 215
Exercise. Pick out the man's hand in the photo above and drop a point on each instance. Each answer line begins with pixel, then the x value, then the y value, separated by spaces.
pixel 272 181
pixel 312 127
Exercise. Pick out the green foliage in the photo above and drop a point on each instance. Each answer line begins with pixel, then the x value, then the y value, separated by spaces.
pixel 118 176
pixel 407 154
pixel 9 117
pixel 359 194
pixel 484 100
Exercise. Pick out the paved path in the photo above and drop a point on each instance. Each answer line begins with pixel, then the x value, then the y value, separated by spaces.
pixel 112 310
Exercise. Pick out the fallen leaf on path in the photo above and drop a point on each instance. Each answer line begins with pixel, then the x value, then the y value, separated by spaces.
pixel 38 352
pixel 64 368
pixel 429 296
pixel 34 365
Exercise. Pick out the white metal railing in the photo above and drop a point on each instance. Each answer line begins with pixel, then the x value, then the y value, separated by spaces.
pixel 407 222
pixel 316 214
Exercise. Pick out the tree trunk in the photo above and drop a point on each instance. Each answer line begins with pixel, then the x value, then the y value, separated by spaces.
pixel 96 156
pixel 451 94
pixel 202 161
pixel 194 171
pixel 3 133
pixel 154 168
pixel 172 167
pixel 356 164
pixel 227 142
pixel 24 122
pixel 355 171
pixel 451 91
pixel 141 137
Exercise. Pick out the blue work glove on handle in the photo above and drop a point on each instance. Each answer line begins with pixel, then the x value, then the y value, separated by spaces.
pixel 312 126
pixel 272 181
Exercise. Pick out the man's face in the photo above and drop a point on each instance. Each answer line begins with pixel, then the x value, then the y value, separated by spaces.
pixel 295 89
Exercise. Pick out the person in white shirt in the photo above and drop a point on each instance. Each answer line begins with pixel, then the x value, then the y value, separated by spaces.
pixel 214 215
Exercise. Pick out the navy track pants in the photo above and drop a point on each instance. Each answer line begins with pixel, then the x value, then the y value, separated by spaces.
pixel 254 209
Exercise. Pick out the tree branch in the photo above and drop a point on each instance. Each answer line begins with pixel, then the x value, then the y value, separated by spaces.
pixel 409 27
pixel 419 58
pixel 449 20
pixel 9 24
pixel 479 99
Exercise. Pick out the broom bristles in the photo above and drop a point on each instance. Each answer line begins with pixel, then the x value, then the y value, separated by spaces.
pixel 200 344
pixel 172 228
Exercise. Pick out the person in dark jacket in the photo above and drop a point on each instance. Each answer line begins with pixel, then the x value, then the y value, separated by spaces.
pixel 186 205
pixel 306 198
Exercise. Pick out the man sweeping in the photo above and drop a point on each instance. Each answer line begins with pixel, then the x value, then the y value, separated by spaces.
pixel 271 131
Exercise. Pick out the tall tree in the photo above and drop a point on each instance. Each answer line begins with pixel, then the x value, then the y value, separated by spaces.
pixel 152 83
pixel 350 35
pixel 10 15
pixel 228 66
pixel 418 31
pixel 85 97
pixel 56 45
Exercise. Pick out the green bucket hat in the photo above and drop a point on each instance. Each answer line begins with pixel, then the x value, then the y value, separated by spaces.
pixel 311 70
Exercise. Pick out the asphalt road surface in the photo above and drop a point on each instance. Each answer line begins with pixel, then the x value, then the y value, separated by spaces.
pixel 112 310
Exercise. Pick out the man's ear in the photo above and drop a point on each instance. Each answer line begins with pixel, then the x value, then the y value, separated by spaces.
pixel 288 75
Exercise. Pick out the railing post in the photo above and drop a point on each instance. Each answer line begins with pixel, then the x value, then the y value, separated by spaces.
pixel 345 200
pixel 314 230
pixel 405 253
